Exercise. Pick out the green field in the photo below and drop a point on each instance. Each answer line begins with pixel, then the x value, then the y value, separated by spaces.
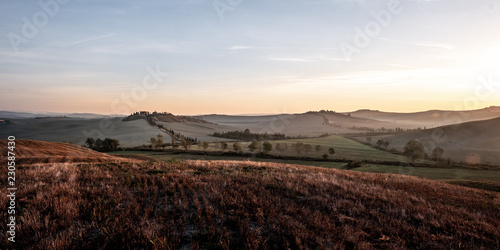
pixel 344 148
pixel 434 173
pixel 422 172
pixel 166 156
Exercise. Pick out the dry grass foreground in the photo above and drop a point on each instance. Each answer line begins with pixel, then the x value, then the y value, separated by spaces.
pixel 238 205
pixel 31 151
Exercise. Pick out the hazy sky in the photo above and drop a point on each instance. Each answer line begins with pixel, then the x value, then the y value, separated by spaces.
pixel 242 56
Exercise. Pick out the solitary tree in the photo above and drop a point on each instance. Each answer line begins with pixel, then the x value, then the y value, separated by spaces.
pixel 369 139
pixel 386 144
pixel 319 148
pixel 267 147
pixel 281 146
pixel 298 147
pixel 237 147
pixel 186 144
pixel 173 140
pixel 437 153
pixel 159 140
pixel 224 146
pixel 307 148
pixel 205 145
pixel 154 142
pixel 414 150
pixel 331 151
pixel 254 145
pixel 380 143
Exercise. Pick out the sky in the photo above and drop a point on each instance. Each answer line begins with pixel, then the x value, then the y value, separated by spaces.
pixel 248 57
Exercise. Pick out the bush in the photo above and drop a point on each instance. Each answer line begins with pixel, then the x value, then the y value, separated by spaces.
pixel 414 150
pixel 267 147
pixel 108 144
pixel 255 145
pixel 298 147
pixel 353 164
pixel 237 147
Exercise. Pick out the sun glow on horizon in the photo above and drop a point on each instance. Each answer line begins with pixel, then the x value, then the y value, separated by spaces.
pixel 96 59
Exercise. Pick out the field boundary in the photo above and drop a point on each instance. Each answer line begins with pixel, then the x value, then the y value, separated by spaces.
pixel 305 158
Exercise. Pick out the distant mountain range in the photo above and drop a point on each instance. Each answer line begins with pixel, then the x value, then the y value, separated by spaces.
pixel 430 118
pixel 20 115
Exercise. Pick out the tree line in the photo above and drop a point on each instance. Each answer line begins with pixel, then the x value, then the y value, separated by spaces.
pixel 415 150
pixel 246 135
pixel 108 144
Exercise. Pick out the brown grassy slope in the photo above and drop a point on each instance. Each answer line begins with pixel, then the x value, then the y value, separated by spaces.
pixel 30 151
pixel 238 205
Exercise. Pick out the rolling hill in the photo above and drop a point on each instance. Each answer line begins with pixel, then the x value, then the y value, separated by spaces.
pixel 185 125
pixel 308 124
pixel 239 205
pixel 431 118
pixel 473 142
pixel 76 130
pixel 19 115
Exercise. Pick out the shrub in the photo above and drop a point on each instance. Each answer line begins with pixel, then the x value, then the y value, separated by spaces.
pixel 331 151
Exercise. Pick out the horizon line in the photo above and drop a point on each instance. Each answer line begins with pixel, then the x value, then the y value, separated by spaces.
pixel 245 114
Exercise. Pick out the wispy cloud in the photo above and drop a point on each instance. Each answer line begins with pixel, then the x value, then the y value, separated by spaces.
pixel 423 44
pixel 416 77
pixel 93 38
pixel 127 49
pixel 305 59
pixel 240 47
pixel 289 59
pixel 436 45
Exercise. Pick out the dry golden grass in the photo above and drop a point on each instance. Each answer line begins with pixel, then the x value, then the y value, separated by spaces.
pixel 243 205
pixel 31 151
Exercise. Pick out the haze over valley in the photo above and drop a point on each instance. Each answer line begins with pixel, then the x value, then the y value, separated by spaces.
pixel 466 136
